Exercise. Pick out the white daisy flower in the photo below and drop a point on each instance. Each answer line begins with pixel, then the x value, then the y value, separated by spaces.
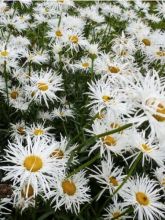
pixel 93 50
pixel 23 197
pixel 150 148
pixel 73 23
pixel 62 113
pixel 91 13
pixel 75 40
pixel 116 143
pixel 115 210
pixel 148 97
pixel 18 130
pixel 155 53
pixel 44 85
pixel 38 130
pixel 83 64
pixel 44 115
pixel 108 93
pixel 70 192
pixel 31 164
pixel 38 56
pixel 107 65
pixel 62 150
pixel 143 194
pixel 108 175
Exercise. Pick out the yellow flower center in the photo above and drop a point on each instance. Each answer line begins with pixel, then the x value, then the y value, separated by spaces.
pixel 100 115
pixel 142 198
pixel 38 132
pixel 43 86
pixel 106 98
pixel 85 65
pixel 146 42
pixel 116 215
pixel 163 182
pixel 68 187
pixel 74 39
pixel 33 163
pixel 109 140
pixel 160 109
pixel 59 154
pixel 114 125
pixel 113 181
pixel 113 69
pixel 123 53
pixel 14 94
pixel 33 94
pixel 58 33
pixel 27 191
pixel 21 130
pixel 160 53
pixel 4 53
pixel 145 148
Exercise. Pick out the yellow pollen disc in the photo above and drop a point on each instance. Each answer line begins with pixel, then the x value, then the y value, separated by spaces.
pixel 60 1
pixel 21 130
pixel 43 86
pixel 38 132
pixel 146 148
pixel 160 53
pixel 114 69
pixel 58 33
pixel 163 182
pixel 146 42
pixel 114 125
pixel 116 215
pixel 109 140
pixel 106 98
pixel 4 53
pixel 14 94
pixel 160 109
pixel 33 163
pixel 62 114
pixel 113 181
pixel 33 94
pixel 85 65
pixel 150 102
pixel 73 39
pixel 123 53
pixel 100 116
pixel 142 198
pixel 59 154
pixel 27 192
pixel 69 187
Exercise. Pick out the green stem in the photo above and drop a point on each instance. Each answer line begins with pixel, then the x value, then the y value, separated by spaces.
pixel 64 128
pixel 59 21
pixel 84 165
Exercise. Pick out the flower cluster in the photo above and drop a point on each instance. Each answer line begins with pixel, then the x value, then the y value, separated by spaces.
pixel 82 85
